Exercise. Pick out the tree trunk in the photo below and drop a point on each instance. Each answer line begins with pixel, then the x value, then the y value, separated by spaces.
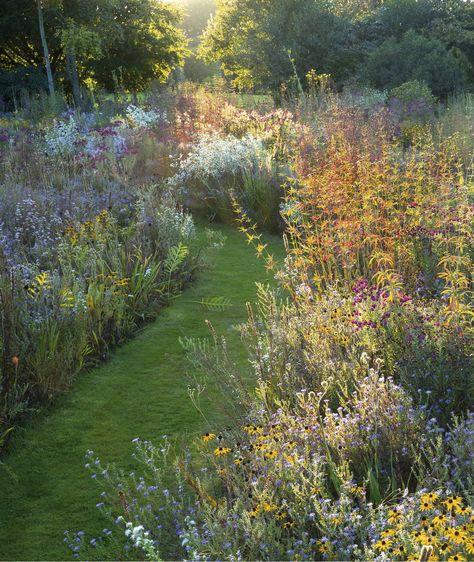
pixel 71 68
pixel 49 74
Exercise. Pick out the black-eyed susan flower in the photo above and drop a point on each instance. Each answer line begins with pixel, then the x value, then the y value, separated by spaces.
pixel 238 460
pixel 208 437
pixel 280 515
pixel 399 551
pixel 222 451
pixel 445 548
pixel 394 516
pixel 470 546
pixel 456 536
pixel 288 524
pixel 431 497
pixel 271 454
pixel 462 510
pixel 426 505
pixel 452 502
pixel 440 520
pixel 253 514
pixel 383 544
pixel 252 429
pixel 457 558
pixel 268 507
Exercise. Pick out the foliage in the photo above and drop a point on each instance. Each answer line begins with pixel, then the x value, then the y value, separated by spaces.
pixel 414 57
pixel 138 40
pixel 86 262
pixel 271 36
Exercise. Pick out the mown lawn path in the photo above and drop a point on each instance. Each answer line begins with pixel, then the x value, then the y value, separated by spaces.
pixel 141 391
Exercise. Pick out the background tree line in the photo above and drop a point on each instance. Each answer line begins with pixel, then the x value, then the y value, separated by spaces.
pixel 265 44
pixel 257 45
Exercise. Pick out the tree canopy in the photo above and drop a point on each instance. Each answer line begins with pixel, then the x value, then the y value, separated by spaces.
pixel 267 43
pixel 140 39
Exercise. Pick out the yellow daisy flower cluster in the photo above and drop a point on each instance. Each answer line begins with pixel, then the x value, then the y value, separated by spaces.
pixel 446 525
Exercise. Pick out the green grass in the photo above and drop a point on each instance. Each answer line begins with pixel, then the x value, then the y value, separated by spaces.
pixel 141 391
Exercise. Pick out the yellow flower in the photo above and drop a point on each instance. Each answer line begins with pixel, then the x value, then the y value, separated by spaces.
pixel 388 533
pixel 290 459
pixel 271 454
pixel 457 558
pixel 426 505
pixel 394 516
pixel 431 497
pixel 267 506
pixel 470 546
pixel 452 502
pixel 457 536
pixel 208 437
pixel 238 460
pixel 383 544
pixel 429 540
pixel 324 547
pixel 288 524
pixel 253 514
pixel 440 520
pixel 280 515
pixel 252 429
pixel 462 510
pixel 399 551
pixel 445 548
pixel 222 451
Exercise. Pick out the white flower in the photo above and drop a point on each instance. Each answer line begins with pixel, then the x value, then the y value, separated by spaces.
pixel 61 137
pixel 213 157
pixel 144 119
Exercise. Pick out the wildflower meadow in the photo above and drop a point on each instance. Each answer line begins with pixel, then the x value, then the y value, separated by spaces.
pixel 236 305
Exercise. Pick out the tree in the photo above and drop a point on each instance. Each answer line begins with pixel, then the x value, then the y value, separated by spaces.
pixel 90 39
pixel 414 57
pixel 261 43
pixel 44 43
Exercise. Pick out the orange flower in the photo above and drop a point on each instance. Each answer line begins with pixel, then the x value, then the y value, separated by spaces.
pixel 15 360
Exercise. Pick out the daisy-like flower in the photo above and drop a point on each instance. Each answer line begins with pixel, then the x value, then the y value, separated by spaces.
pixel 267 507
pixel 452 502
pixel 399 551
pixel 383 545
pixel 271 454
pixel 456 536
pixel 252 429
pixel 253 514
pixel 470 546
pixel 426 505
pixel 445 548
pixel 394 516
pixel 431 497
pixel 288 524
pixel 440 520
pixel 280 515
pixel 208 437
pixel 222 451
pixel 238 460
pixel 457 558
pixel 462 510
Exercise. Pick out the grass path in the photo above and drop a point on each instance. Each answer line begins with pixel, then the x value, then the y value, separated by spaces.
pixel 141 391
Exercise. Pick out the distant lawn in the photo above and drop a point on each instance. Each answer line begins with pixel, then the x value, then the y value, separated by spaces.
pixel 141 391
